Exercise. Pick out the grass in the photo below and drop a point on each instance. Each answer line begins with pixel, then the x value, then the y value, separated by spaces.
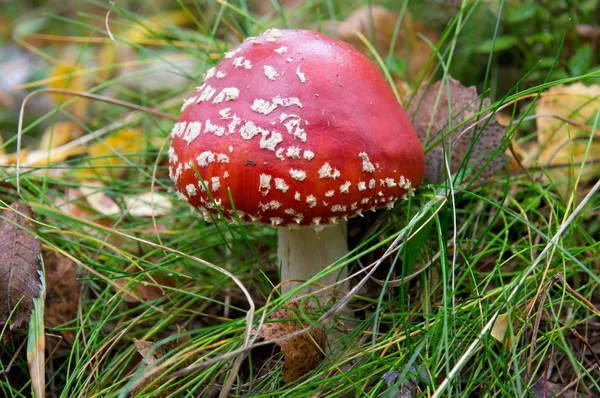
pixel 517 249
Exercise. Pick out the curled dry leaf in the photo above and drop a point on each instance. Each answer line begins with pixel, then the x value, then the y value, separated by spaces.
pixel 143 205
pixel 301 353
pixel 560 142
pixel 19 265
pixel 378 24
pixel 98 199
pixel 62 292
pixel 431 123
pixel 148 204
pixel 152 352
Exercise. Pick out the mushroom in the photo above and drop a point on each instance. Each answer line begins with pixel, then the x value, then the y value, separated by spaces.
pixel 304 132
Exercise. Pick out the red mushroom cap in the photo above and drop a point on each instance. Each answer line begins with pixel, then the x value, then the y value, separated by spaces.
pixel 302 128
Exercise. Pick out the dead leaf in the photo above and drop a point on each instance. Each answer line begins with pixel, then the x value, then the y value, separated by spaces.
pixel 59 134
pixel 431 122
pixel 560 142
pixel 19 265
pixel 301 353
pixel 98 199
pixel 378 25
pixel 67 76
pixel 149 203
pixel 152 352
pixel 62 292
pixel 499 330
pixel 109 157
pixel 146 291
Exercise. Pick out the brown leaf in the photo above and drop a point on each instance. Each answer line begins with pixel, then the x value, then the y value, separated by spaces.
pixel 301 353
pixel 19 265
pixel 378 25
pixel 152 352
pixel 430 122
pixel 63 291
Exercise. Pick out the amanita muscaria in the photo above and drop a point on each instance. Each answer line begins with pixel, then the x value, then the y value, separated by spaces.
pixel 305 132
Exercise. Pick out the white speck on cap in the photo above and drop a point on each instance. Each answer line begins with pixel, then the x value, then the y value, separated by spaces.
pixel 329 193
pixel 209 127
pixel 372 183
pixel 209 74
pixel 301 75
pixel 215 183
pixel 281 50
pixel 326 171
pixel 274 204
pixel 270 72
pixel 337 208
pixel 362 186
pixel 225 113
pixel 290 211
pixel 207 94
pixel 367 166
pixel 299 175
pixel 178 129
pixel 297 196
pixel 227 94
pixel 281 185
pixel 272 34
pixel 279 154
pixel 271 142
pixel 182 197
pixel 188 102
pixel 311 200
pixel 344 188
pixel 233 53
pixel 298 218
pixel 293 127
pixel 222 158
pixel 249 130
pixel 264 183
pixel 308 154
pixel 276 220
pixel 191 189
pixel 205 158
pixel 220 75
pixel 240 61
pixel 234 123
pixel 293 152
pixel 192 132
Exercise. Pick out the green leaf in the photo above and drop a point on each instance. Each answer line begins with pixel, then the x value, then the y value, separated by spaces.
pixel 502 43
pixel 521 13
pixel 581 61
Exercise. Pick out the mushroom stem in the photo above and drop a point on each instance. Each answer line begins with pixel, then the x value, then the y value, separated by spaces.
pixel 303 253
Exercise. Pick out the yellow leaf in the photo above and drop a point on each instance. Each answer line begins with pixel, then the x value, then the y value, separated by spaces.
pixel 563 143
pixel 68 77
pixel 106 157
pixel 59 134
pixel 499 330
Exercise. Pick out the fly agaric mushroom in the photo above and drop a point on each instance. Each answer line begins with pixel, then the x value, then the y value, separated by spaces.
pixel 304 131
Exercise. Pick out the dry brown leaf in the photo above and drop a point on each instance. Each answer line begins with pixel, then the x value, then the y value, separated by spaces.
pixel 301 353
pixel 378 24
pixel 152 352
pixel 499 329
pixel 106 157
pixel 430 122
pixel 62 292
pixel 149 203
pixel 561 143
pixel 19 265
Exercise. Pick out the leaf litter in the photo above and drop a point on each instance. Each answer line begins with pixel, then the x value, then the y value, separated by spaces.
pixel 20 268
pixel 301 353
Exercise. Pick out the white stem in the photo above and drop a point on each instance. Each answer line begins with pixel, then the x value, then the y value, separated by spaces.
pixel 303 253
